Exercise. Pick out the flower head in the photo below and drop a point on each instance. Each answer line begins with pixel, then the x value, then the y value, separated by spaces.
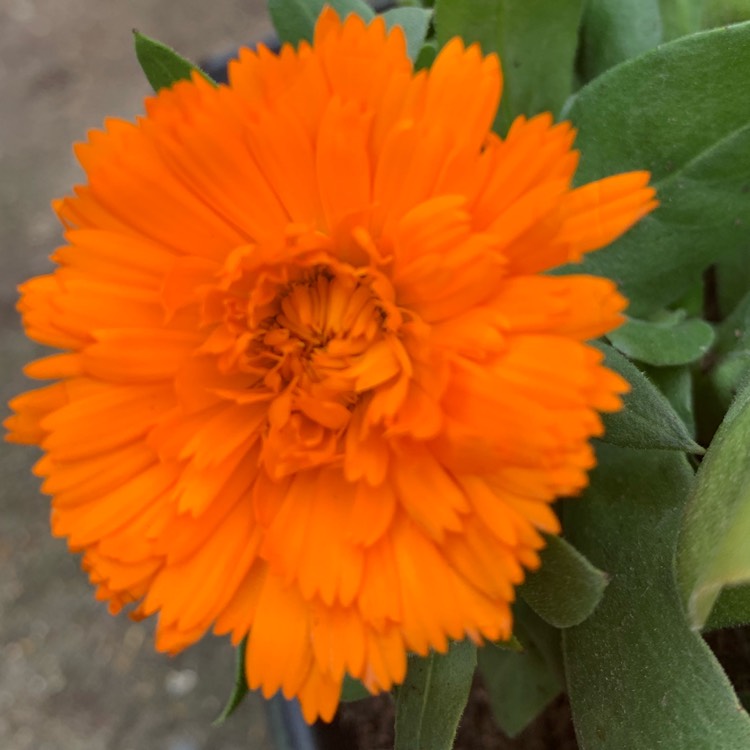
pixel 314 389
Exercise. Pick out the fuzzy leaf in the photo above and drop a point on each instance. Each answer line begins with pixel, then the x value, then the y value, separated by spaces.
pixel 648 419
pixel 240 686
pixel 161 64
pixel 676 383
pixel 353 690
pixel 732 609
pixel 415 22
pixel 724 12
pixel 638 676
pixel 732 280
pixel 682 112
pixel 565 590
pixel 713 551
pixel 732 353
pixel 733 333
pixel 512 644
pixel 426 55
pixel 536 41
pixel 294 20
pixel 431 701
pixel 680 17
pixel 616 30
pixel 521 684
pixel 663 344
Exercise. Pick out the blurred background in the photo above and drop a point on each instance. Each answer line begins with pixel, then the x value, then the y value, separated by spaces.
pixel 71 676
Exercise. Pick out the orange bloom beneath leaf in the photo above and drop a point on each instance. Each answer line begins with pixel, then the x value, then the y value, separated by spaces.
pixel 313 388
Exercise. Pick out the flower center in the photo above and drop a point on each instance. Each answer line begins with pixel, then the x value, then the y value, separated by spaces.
pixel 323 324
pixel 310 355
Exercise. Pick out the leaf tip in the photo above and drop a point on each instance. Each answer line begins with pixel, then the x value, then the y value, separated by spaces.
pixel 696 450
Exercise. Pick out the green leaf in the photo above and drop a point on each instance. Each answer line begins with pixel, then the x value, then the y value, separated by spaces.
pixel 426 55
pixel 512 644
pixel 676 383
pixel 664 344
pixel 708 93
pixel 240 685
pixel 682 112
pixel 648 420
pixel 161 64
pixel 294 20
pixel 431 701
pixel 693 303
pixel 520 685
pixel 733 334
pixel 732 280
pixel 680 17
pixel 732 353
pixel 713 552
pixel 724 12
pixel 728 375
pixel 616 30
pixel 415 22
pixel 566 589
pixel 536 41
pixel 638 676
pixel 731 609
pixel 353 690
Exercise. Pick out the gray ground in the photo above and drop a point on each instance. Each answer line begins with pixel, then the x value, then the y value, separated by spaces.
pixel 71 676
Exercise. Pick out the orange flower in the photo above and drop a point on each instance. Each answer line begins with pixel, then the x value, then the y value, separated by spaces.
pixel 313 388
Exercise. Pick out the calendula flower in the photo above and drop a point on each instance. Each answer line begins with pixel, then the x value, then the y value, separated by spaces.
pixel 314 387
